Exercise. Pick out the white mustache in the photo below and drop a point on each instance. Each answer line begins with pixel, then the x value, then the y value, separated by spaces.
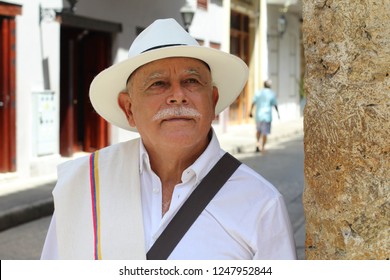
pixel 176 112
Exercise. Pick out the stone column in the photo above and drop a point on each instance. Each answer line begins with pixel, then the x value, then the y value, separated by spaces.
pixel 347 129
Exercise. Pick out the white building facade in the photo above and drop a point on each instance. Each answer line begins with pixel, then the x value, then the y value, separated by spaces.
pixel 54 52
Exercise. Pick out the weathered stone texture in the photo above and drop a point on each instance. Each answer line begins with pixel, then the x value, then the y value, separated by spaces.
pixel 347 129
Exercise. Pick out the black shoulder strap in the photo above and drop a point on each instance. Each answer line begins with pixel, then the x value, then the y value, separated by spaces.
pixel 192 207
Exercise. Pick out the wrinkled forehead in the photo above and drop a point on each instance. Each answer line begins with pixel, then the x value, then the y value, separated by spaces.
pixel 193 62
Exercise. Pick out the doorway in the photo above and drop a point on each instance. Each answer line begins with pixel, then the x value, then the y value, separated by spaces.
pixel 239 46
pixel 7 94
pixel 84 53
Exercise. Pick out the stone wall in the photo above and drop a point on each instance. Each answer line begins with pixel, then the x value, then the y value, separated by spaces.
pixel 347 129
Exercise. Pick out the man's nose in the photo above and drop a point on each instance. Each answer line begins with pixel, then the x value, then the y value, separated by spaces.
pixel 177 96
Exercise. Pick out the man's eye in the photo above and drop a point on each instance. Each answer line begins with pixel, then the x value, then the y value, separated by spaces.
pixel 158 84
pixel 191 81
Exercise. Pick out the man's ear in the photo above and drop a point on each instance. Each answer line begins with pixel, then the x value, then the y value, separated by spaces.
pixel 215 96
pixel 124 102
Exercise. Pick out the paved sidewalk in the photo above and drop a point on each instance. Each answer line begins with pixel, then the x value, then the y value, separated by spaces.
pixel 242 138
pixel 33 198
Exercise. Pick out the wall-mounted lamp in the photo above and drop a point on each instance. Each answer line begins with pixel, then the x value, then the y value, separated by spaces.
pixel 72 6
pixel 47 15
pixel 282 24
pixel 187 14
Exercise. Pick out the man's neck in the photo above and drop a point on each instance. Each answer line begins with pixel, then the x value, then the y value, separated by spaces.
pixel 169 164
pixel 169 167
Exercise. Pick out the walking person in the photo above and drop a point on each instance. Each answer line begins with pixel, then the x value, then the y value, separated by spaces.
pixel 264 100
pixel 172 193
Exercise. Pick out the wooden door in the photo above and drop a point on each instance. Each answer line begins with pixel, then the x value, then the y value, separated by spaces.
pixel 84 54
pixel 239 46
pixel 95 52
pixel 7 95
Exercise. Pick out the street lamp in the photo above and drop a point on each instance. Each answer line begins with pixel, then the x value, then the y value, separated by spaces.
pixel 187 14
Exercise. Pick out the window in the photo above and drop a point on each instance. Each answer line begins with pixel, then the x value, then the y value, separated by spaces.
pixel 215 45
pixel 200 42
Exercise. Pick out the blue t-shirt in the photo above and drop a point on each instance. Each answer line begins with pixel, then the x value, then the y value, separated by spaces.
pixel 264 100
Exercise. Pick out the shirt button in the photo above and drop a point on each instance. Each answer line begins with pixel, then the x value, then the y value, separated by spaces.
pixel 156 190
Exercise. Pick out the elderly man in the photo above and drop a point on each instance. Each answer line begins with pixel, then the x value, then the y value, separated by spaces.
pixel 124 201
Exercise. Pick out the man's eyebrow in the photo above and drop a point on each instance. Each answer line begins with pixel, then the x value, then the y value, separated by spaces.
pixel 152 76
pixel 192 71
pixel 197 69
pixel 128 78
pixel 155 75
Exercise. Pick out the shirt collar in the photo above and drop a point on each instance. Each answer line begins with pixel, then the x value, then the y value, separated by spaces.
pixel 199 168
pixel 206 161
pixel 144 158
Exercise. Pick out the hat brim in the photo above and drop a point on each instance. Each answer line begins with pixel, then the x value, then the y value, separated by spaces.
pixel 229 74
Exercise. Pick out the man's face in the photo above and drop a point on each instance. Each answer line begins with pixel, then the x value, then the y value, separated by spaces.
pixel 172 101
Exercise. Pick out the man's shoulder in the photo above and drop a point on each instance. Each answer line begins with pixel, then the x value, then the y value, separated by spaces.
pixel 268 91
pixel 253 181
pixel 249 186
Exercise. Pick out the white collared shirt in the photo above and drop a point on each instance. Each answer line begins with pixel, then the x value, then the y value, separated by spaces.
pixel 247 219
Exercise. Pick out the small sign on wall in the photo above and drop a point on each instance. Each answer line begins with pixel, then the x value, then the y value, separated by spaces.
pixel 45 118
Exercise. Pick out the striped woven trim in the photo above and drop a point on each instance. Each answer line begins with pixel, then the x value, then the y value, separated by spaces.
pixel 95 196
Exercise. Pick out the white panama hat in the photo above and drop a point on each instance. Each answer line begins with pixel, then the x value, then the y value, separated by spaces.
pixel 162 39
